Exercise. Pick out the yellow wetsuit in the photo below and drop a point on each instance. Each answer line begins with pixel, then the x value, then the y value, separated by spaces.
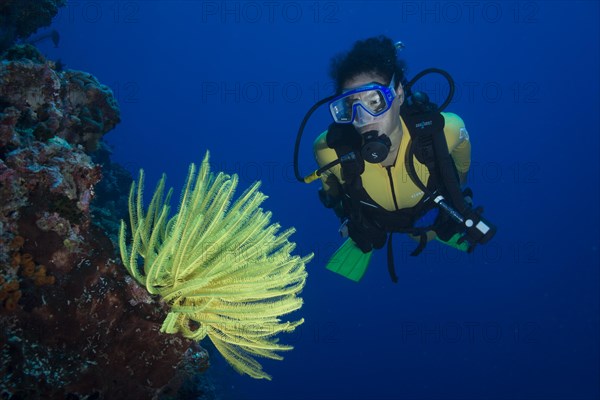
pixel 377 180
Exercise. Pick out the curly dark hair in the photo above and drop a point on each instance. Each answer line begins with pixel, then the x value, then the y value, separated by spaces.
pixel 373 55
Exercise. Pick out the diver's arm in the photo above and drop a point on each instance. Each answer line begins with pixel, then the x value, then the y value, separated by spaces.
pixel 461 154
pixel 330 194
pixel 331 191
pixel 462 177
pixel 459 144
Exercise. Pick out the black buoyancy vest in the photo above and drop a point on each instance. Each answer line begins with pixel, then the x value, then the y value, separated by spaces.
pixel 428 145
pixel 357 200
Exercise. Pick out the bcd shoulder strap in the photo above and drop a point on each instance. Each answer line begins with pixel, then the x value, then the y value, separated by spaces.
pixel 429 146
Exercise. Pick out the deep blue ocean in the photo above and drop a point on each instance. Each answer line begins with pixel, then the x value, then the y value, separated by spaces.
pixel 518 318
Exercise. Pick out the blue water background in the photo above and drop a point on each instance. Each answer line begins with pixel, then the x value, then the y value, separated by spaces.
pixel 518 318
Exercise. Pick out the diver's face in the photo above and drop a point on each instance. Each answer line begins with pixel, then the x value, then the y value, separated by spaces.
pixel 387 122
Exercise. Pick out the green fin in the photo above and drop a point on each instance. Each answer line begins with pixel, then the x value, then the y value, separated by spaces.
pixel 453 242
pixel 349 261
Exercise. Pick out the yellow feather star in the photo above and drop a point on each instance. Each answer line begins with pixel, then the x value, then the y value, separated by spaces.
pixel 225 271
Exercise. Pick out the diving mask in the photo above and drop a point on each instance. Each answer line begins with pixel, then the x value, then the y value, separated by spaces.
pixel 362 105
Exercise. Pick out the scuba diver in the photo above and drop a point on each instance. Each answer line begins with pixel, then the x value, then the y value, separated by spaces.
pixel 391 161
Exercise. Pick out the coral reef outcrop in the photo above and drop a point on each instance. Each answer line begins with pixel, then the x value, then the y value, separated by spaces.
pixel 72 323
pixel 21 18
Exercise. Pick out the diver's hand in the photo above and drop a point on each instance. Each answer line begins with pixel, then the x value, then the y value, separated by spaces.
pixel 366 235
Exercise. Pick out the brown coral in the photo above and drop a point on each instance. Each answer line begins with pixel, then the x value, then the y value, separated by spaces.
pixel 26 258
pixel 9 295
pixel 28 270
pixel 40 278
pixel 15 259
pixel 17 243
